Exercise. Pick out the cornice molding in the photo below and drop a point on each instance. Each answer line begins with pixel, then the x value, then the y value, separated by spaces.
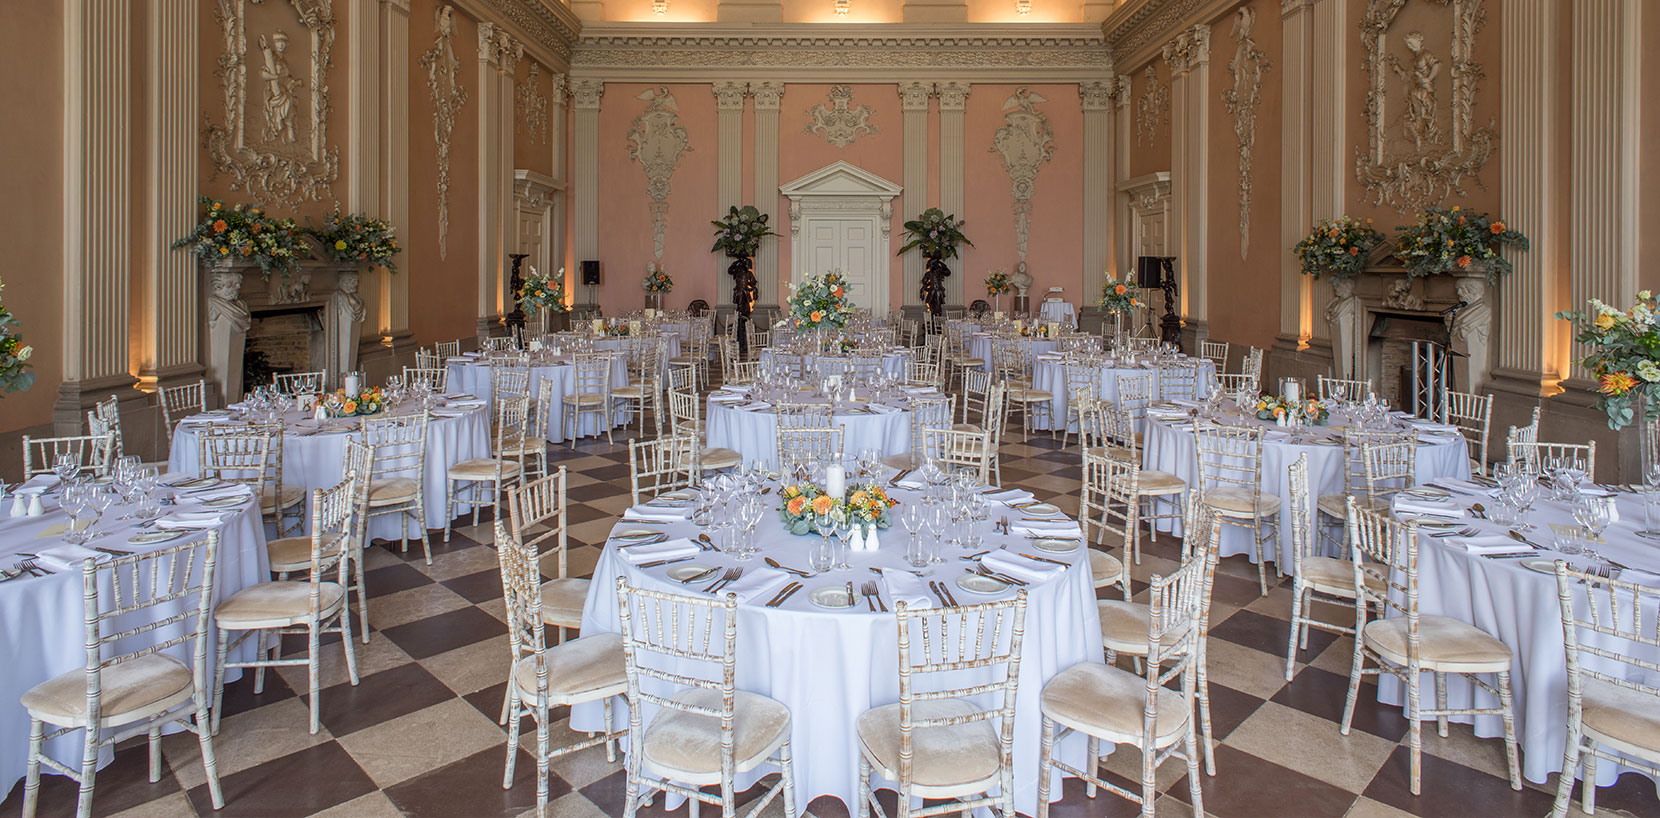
pixel 1137 30
pixel 548 29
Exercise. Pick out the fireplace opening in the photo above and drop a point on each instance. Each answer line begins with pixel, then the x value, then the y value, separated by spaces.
pixel 281 341
pixel 1389 350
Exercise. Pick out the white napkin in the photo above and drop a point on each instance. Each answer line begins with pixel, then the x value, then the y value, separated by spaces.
pixel 457 396
pixel 217 420
pixel 1019 567
pixel 465 404
pixel 1276 435
pixel 912 484
pixel 919 390
pixel 1010 496
pixel 755 406
pixel 906 587
pixel 447 413
pixel 190 521
pixel 1464 486
pixel 1061 529
pixel 1186 404
pixel 664 515
pixel 1488 544
pixel 757 585
pixel 1432 426
pixel 737 389
pixel 67 557
pixel 217 493
pixel 719 397
pixel 1435 508
pixel 883 409
pixel 666 550
pixel 37 484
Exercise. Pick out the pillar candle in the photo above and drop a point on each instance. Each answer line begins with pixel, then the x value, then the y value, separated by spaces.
pixel 835 481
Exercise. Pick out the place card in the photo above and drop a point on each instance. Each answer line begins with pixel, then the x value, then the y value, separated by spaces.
pixel 63 528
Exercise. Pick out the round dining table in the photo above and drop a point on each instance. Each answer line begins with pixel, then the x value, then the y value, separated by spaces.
pixel 470 374
pixel 313 455
pixel 894 361
pixel 1169 447
pixel 983 346
pixel 42 618
pixel 829 665
pixel 1049 374
pixel 750 427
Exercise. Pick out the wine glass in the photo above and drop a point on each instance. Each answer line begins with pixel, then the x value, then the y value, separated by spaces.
pixel 76 504
pixel 822 557
pixel 912 518
pixel 66 465
pixel 101 499
pixel 940 521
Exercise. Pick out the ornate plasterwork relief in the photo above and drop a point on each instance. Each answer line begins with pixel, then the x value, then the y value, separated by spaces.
pixel 533 107
pixel 279 151
pixel 1188 50
pixel 448 95
pixel 794 51
pixel 657 140
pixel 1153 112
pixel 837 120
pixel 1247 67
pixel 1423 145
pixel 1025 142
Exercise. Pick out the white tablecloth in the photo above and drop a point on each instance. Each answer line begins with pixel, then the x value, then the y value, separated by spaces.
pixel 42 618
pixel 1169 447
pixel 981 346
pixel 472 375
pixel 621 344
pixel 753 433
pixel 827 667
pixel 893 361
pixel 1061 311
pixel 1050 374
pixel 317 461
pixel 1519 606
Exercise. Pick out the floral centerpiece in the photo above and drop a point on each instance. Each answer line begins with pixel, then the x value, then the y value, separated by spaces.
pixel 938 236
pixel 541 292
pixel 1117 296
pixel 998 283
pixel 1624 356
pixel 1337 247
pixel 865 503
pixel 820 302
pixel 355 238
pixel 1453 238
pixel 243 232
pixel 1282 410
pixel 869 503
pixel 657 279
pixel 14 354
pixel 366 402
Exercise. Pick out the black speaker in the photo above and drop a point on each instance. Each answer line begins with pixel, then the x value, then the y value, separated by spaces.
pixel 590 273
pixel 1149 272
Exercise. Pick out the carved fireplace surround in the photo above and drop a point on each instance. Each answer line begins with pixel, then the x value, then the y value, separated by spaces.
pixel 1383 290
pixel 235 294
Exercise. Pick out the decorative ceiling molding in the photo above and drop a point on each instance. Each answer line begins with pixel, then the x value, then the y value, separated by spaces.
pixel 548 29
pixel 448 95
pixel 1025 141
pixel 1138 29
pixel 1247 67
pixel 657 139
pixel 837 120
pixel 842 53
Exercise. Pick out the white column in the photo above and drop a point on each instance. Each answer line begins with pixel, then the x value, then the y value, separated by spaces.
pixel 913 100
pixel 585 97
pixel 767 96
pixel 508 55
pixel 1189 58
pixel 1123 119
pixel 490 212
pixel 1604 126
pixel 97 169
pixel 1333 160
pixel 558 117
pixel 729 144
pixel 953 99
pixel 1096 97
pixel 1296 214
pixel 175 115
pixel 364 73
pixel 394 179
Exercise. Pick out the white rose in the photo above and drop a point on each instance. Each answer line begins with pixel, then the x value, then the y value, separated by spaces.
pixel 24 353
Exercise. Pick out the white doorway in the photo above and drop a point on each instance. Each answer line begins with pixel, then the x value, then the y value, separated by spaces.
pixel 839 220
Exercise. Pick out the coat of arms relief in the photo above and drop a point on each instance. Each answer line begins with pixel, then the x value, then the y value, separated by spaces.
pixel 1423 143
pixel 273 142
pixel 838 121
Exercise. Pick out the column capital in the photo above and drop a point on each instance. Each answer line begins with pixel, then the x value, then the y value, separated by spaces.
pixel 1096 95
pixel 767 94
pixel 953 95
pixel 913 96
pixel 1189 50
pixel 487 52
pixel 1121 92
pixel 561 88
pixel 397 5
pixel 508 53
pixel 729 96
pixel 585 94
pixel 1289 8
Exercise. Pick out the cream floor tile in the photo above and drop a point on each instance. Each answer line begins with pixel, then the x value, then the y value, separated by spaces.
pixel 176 805
pixel 397 750
pixel 413 604
pixel 1312 745
pixel 570 805
pixel 1245 669
pixel 1462 746
pixel 471 668
pixel 373 805
pixel 1126 762
pixel 452 564
pixel 245 740
pixel 1367 808
pixel 380 654
pixel 584 767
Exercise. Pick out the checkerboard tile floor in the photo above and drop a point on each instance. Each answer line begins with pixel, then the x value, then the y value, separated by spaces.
pixel 418 736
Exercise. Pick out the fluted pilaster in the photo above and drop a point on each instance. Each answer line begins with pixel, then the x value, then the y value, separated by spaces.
pixel 1123 118
pixel 365 74
pixel 729 123
pixel 1296 136
pixel 171 335
pixel 1329 171
pixel 490 210
pixel 509 52
pixel 913 101
pixel 1189 58
pixel 585 97
pixel 1096 98
pixel 953 100
pixel 767 97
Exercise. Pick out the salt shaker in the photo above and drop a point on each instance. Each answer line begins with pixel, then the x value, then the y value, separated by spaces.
pixel 20 506
pixel 35 507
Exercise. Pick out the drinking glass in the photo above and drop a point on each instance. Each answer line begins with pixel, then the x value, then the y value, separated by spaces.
pixel 940 522
pixel 822 556
pixel 916 553
pixel 102 498
pixel 66 465
pixel 77 505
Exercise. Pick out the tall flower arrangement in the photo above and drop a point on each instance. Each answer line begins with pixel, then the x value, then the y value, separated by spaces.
pixel 14 354
pixel 820 301
pixel 541 292
pixel 1337 247
pixel 657 279
pixel 739 233
pixel 1118 296
pixel 937 235
pixel 1447 239
pixel 357 238
pixel 1624 356
pixel 243 232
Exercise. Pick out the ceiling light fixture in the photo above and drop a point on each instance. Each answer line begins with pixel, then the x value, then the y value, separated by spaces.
pixel 660 7
pixel 843 7
pixel 1022 6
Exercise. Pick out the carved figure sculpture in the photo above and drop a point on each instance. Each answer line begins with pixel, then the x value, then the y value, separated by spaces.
pixel 657 139
pixel 1419 118
pixel 280 84
pixel 1341 312
pixel 1025 141
pixel 225 303
pixel 347 310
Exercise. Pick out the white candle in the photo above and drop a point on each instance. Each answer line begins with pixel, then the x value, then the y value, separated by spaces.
pixel 351 383
pixel 835 481
pixel 1293 390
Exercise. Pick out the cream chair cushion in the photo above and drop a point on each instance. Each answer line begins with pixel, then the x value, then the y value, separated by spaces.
pixel 633 391
pixel 562 601
pixel 579 670
pixel 294 553
pixel 686 746
pixel 1334 576
pixel 130 691
pixel 483 468
pixel 584 399
pixel 1104 568
pixel 1237 501
pixel 903 461
pixel 1125 625
pixel 1158 483
pixel 1621 715
pixel 276 604
pixel 942 756
pixel 717 458
pixel 1025 395
pixel 392 491
pixel 1444 644
pixel 291 496
pixel 1108 702
pixel 1336 505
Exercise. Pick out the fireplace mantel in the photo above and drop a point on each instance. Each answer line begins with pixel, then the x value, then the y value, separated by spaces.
pixel 1460 299
pixel 234 294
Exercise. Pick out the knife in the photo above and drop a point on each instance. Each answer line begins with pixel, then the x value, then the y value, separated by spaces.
pixel 661 563
pixel 1044 559
pixel 792 592
pixel 783 595
pixel 935 587
pixel 950 597
pixel 850 599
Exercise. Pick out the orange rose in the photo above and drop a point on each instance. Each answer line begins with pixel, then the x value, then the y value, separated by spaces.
pixel 1460 219
pixel 1354 251
pixel 1120 289
pixel 837 292
pixel 1496 227
pixel 796 505
pixel 1133 303
pixel 1463 261
pixel 822 504
pixel 816 316
pixel 219 226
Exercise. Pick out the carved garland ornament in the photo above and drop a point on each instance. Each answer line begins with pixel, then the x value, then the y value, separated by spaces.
pixel 533 107
pixel 1431 147
pixel 1248 65
pixel 284 154
pixel 839 122
pixel 657 140
pixel 1153 111
pixel 443 78
pixel 1025 142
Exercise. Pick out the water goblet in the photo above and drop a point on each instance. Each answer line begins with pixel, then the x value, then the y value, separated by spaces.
pixel 912 518
pixel 822 557
pixel 77 505
pixel 102 498
pixel 66 465
pixel 940 522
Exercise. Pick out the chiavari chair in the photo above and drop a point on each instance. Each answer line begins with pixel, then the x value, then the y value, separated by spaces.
pixel 1107 510
pixel 448 349
pixel 1179 381
pixel 1472 415
pixel 427 359
pixel 658 465
pixel 1230 482
pixel 180 402
pixel 94 453
pixel 1345 390
pixel 1536 457
pixel 1527 436
pixel 399 447
pixel 1315 578
pixel 927 412
pixel 686 420
pixel 1216 352
pixel 958 450
pixel 590 395
pixel 1331 508
pixel 435 378
pixel 799 447
pixel 298 383
pixel 1083 383
pixel 1152 486
pixel 483 479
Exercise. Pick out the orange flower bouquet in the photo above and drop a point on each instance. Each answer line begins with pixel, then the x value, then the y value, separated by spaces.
pixel 1445 240
pixel 1624 356
pixel 243 233
pixel 821 302
pixel 1118 296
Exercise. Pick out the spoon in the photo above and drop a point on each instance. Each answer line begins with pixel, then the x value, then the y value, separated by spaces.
pixel 774 563
pixel 1516 535
pixel 1479 510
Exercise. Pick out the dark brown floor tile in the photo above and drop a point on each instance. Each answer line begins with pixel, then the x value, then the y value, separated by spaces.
pixel 1238 591
pixel 1249 787
pixel 124 783
pixel 448 631
pixel 240 696
pixel 488 701
pixel 472 787
pixel 1105 804
pixel 594 491
pixel 1321 693
pixel 480 587
pixel 1452 790
pixel 608 474
pixel 394 578
pixel 1266 633
pixel 1229 708
pixel 1632 792
pixel 300 783
pixel 380 697
pixel 582 513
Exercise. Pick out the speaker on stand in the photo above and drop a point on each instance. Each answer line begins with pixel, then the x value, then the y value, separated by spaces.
pixel 590 278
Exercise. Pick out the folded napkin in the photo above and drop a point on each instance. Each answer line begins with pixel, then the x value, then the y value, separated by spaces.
pixel 217 420
pixel 1436 437
pixel 1020 567
pixel 662 515
pixel 755 406
pixel 1276 436
pixel 465 404
pixel 193 521
pixel 906 587
pixel 719 397
pixel 1489 544
pixel 912 483
pixel 1186 404
pixel 666 550
pixel 236 407
pixel 457 396
pixel 1432 426
pixel 37 484
pixel 883 409
pixel 757 585
pixel 1060 529
pixel 919 390
pixel 217 493
pixel 737 388
pixel 447 413
pixel 1009 496
pixel 1464 486
pixel 67 557
pixel 1434 508
pixel 1155 414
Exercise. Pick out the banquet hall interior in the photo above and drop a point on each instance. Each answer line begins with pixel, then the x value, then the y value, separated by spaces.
pixel 624 407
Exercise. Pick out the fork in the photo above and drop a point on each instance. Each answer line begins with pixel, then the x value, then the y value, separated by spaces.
pixel 731 575
pixel 1000 577
pixel 35 568
pixel 872 594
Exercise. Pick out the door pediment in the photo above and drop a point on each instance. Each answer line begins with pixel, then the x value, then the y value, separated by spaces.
pixel 841 179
